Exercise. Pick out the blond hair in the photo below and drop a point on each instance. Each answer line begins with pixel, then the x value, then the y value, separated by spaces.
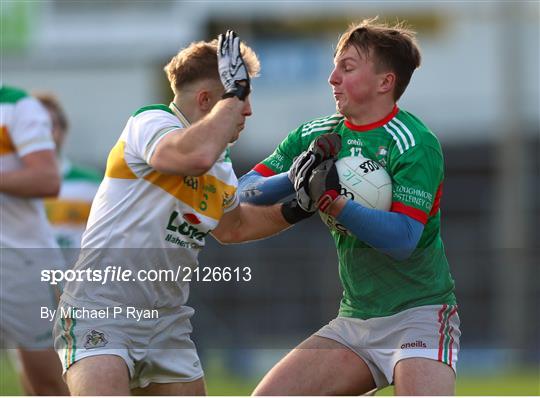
pixel 198 61
pixel 392 48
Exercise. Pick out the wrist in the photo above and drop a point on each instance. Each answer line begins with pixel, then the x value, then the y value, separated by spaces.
pixel 241 90
pixel 327 199
pixel 293 213
pixel 230 109
pixel 336 207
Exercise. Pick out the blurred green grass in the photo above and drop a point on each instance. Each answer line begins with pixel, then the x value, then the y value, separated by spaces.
pixel 511 382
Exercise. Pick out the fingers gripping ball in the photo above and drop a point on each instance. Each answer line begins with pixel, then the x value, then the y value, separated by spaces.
pixel 364 181
pixel 324 147
pixel 232 69
pixel 324 185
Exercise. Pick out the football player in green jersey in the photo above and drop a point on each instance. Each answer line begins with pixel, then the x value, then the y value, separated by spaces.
pixel 398 321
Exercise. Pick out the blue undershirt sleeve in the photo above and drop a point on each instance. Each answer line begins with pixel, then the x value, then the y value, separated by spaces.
pixel 256 189
pixel 394 234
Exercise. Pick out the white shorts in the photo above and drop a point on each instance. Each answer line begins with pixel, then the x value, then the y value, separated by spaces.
pixel 430 331
pixel 22 294
pixel 155 350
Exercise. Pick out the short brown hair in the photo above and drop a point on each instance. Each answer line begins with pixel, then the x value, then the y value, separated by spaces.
pixel 394 48
pixel 50 101
pixel 198 61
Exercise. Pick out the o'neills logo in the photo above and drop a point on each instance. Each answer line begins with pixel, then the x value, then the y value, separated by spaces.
pixel 416 344
pixel 353 141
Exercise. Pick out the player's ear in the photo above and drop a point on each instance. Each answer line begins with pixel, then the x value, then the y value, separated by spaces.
pixel 204 100
pixel 387 82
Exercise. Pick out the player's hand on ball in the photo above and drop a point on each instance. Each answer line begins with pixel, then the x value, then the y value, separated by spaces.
pixel 325 146
pixel 232 69
pixel 324 187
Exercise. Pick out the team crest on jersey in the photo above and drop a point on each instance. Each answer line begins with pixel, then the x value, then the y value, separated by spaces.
pixel 382 152
pixel 95 339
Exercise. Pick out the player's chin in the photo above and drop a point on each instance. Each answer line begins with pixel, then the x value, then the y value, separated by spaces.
pixel 340 106
pixel 238 132
pixel 234 138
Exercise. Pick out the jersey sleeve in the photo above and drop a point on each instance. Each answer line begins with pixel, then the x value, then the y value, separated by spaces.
pixel 31 129
pixel 417 176
pixel 230 201
pixel 146 129
pixel 282 158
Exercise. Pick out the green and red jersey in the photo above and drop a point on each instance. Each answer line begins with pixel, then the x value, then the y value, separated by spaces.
pixel 375 284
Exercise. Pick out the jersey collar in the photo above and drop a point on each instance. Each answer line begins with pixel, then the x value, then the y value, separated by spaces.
pixel 179 114
pixel 371 126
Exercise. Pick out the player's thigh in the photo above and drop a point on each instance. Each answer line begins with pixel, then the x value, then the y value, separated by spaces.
pixel 42 372
pixel 422 376
pixel 99 375
pixel 318 366
pixel 192 388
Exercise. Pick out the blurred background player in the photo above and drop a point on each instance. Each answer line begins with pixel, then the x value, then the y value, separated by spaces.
pixel 169 182
pixel 68 212
pixel 398 321
pixel 28 173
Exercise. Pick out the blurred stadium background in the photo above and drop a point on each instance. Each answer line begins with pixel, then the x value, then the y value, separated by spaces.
pixel 478 89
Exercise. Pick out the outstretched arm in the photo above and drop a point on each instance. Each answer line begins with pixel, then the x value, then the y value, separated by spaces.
pixel 259 190
pixel 249 222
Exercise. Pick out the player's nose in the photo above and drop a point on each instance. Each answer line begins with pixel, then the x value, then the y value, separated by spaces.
pixel 247 111
pixel 334 79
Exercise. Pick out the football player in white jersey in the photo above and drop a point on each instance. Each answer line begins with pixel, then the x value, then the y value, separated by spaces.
pixel 168 183
pixel 28 172
pixel 68 212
